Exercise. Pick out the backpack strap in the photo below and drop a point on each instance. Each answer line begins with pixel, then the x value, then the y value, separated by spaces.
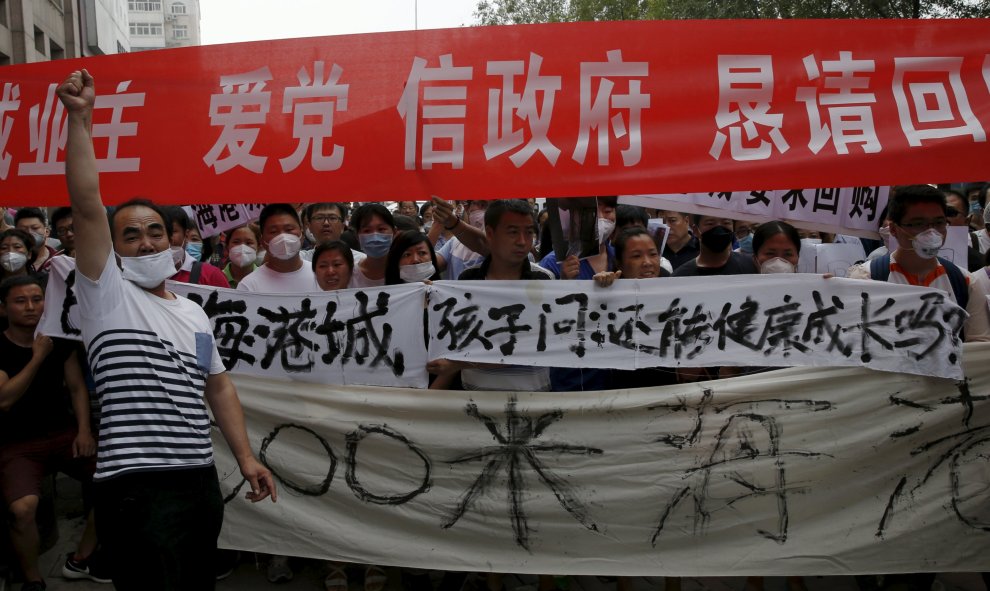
pixel 880 268
pixel 958 280
pixel 195 272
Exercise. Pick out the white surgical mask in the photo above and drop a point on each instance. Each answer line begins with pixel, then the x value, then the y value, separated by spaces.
pixel 150 270
pixel 39 238
pixel 178 254
pixel 427 226
pixel 309 236
pixel 417 272
pixel 885 236
pixel 477 219
pixel 927 243
pixel 777 265
pixel 13 261
pixel 243 255
pixel 284 246
pixel 260 260
pixel 604 228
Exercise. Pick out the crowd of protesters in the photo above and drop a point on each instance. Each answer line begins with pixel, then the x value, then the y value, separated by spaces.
pixel 46 385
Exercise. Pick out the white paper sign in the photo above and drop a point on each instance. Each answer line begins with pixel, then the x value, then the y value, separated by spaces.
pixel 793 472
pixel 846 210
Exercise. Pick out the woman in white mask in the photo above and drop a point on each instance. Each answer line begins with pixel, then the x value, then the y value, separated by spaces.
pixel 242 253
pixel 776 248
pixel 411 259
pixel 16 254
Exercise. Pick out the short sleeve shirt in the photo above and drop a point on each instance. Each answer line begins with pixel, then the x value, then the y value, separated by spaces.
pixel 43 409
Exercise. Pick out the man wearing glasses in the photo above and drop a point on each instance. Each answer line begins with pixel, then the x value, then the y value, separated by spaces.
pixel 326 222
pixel 918 221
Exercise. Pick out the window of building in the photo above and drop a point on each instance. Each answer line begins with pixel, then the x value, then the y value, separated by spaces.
pixel 3 13
pixel 39 41
pixel 146 29
pixel 4 59
pixel 180 32
pixel 178 8
pixel 121 48
pixel 144 5
pixel 54 51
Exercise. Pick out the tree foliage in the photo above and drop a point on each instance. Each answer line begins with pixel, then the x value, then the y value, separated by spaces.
pixel 505 12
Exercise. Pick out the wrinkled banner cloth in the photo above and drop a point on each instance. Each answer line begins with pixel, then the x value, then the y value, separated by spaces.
pixel 804 471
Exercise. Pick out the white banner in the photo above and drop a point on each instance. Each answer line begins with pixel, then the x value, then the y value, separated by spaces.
pixel 747 320
pixel 370 337
pixel 217 218
pixel 791 472
pixel 855 211
pixel 375 336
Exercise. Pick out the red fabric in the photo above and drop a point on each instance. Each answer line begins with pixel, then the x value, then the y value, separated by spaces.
pixel 175 133
pixel 209 275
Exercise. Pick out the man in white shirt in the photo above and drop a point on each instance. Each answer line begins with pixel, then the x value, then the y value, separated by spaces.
pixel 284 270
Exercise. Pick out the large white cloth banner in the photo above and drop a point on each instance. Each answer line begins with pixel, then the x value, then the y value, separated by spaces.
pixel 764 320
pixel 370 337
pixel 857 211
pixel 375 336
pixel 791 472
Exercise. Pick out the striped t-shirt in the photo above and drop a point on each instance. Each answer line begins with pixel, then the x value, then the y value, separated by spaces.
pixel 150 358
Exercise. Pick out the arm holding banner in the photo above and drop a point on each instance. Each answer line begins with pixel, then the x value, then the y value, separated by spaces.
pixel 89 219
pixel 229 415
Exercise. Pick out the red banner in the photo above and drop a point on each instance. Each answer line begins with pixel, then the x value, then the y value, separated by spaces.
pixel 519 111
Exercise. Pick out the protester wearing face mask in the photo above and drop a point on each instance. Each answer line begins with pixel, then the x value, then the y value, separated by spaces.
pixel 586 268
pixel 715 256
pixel 467 246
pixel 374 226
pixel 16 254
pixel 242 253
pixel 186 248
pixel 411 260
pixel 776 248
pixel 743 231
pixel 284 270
pixel 918 223
pixel 33 221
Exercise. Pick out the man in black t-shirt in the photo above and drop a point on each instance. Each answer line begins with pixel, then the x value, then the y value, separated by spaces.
pixel 716 256
pixel 39 378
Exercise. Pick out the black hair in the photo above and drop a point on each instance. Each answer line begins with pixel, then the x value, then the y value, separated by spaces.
pixel 402 242
pixel 18 281
pixel 312 208
pixel 368 210
pixel 177 215
pixel 349 238
pixel 908 195
pixel 499 207
pixel 625 235
pixel 60 214
pixel 404 223
pixel 424 207
pixel 30 212
pixel 334 245
pixel 141 202
pixel 26 239
pixel 273 209
pixel 768 230
pixel 628 215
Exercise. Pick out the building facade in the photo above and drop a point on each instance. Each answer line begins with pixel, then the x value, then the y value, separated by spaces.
pixel 157 24
pixel 41 30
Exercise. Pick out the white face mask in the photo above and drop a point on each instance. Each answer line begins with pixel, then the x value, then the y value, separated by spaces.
pixel 885 236
pixel 477 219
pixel 150 270
pixel 13 261
pixel 284 246
pixel 178 254
pixel 604 228
pixel 777 265
pixel 243 255
pixel 927 244
pixel 309 236
pixel 260 260
pixel 417 272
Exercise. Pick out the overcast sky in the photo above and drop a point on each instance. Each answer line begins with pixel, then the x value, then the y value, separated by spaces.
pixel 229 21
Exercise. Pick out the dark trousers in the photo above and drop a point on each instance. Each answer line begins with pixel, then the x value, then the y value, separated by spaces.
pixel 160 529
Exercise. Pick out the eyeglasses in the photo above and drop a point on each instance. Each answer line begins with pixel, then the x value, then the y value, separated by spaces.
pixel 64 230
pixel 913 227
pixel 323 219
